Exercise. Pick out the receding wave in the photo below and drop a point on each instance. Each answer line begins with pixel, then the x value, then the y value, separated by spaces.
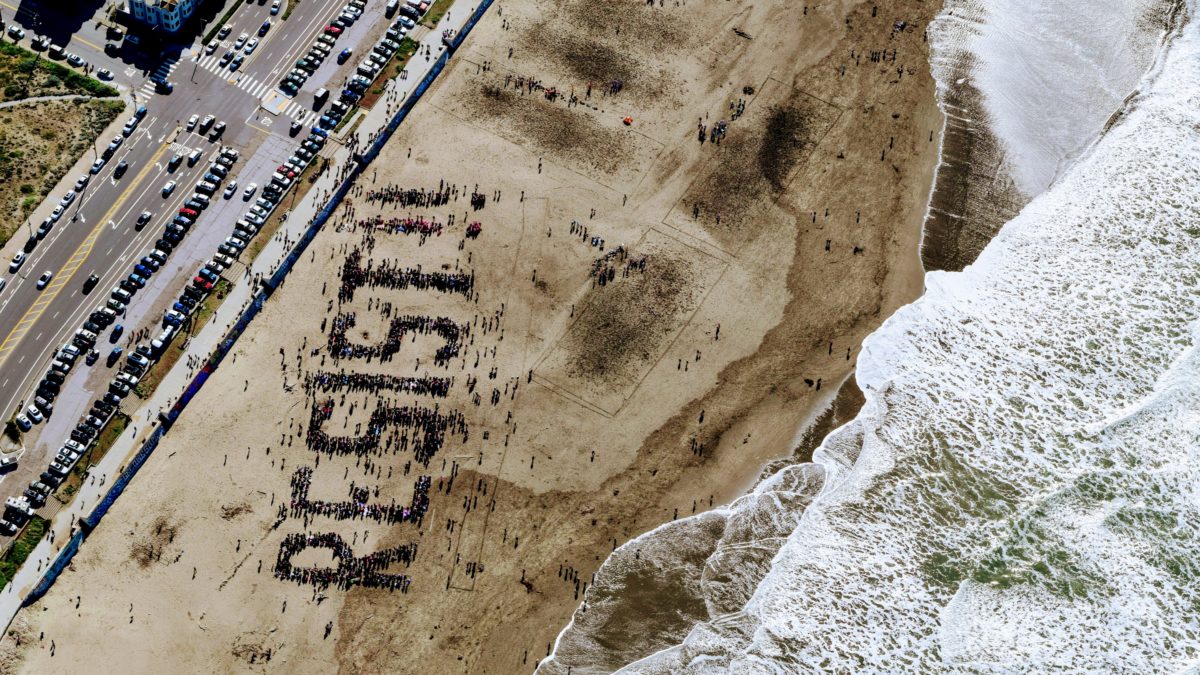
pixel 1020 488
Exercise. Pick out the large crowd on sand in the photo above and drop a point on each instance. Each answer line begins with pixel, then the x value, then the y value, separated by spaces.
pixel 392 427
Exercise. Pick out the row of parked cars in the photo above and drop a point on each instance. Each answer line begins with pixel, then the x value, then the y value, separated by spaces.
pixel 321 48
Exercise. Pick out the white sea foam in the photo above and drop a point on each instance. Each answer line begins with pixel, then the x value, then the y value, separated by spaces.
pixel 1021 490
pixel 1050 71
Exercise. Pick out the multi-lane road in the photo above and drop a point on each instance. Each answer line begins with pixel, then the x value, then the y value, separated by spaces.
pixel 99 234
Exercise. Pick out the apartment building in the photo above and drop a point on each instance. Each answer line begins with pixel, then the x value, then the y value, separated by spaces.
pixel 168 15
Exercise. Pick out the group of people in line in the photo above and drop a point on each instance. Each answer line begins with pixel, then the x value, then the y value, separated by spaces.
pixel 350 570
pixel 377 383
pixel 340 346
pixel 358 506
pixel 392 275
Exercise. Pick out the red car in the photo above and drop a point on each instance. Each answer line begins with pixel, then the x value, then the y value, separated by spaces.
pixel 202 283
pixel 188 212
pixel 333 30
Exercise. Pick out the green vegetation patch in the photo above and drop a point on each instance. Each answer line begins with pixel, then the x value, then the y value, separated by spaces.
pixel 26 74
pixel 436 12
pixel 24 544
pixel 38 144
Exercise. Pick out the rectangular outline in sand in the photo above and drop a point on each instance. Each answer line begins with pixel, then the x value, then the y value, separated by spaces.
pixel 677 221
pixel 622 393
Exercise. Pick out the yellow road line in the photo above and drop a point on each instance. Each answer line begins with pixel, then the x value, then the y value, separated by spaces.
pixel 72 265
pixel 89 43
pixel 38 308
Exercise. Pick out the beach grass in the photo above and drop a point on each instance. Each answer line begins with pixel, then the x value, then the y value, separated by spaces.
pixel 22 546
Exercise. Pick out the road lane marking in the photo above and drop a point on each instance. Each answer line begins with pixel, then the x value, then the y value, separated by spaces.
pixel 68 269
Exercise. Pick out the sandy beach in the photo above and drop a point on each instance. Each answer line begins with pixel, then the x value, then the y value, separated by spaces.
pixel 641 322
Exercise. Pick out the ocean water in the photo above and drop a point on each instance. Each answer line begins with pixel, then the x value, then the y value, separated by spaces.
pixel 1021 490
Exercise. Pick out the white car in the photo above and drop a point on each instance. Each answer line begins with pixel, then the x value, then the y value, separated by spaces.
pixel 57 213
pixel 191 123
pixel 250 190
pixel 237 44
pixel 68 198
pixel 250 46
pixel 275 7
pixel 168 188
pixel 44 280
pixel 82 182
pixel 231 189
pixel 35 414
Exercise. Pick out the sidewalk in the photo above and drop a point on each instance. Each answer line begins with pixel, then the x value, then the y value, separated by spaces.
pixel 144 419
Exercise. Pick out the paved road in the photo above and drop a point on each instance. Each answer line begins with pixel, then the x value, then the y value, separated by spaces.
pixel 98 233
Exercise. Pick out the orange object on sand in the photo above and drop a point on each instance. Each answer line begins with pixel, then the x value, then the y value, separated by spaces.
pixel 628 121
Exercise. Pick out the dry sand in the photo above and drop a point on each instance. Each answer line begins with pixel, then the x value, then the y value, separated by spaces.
pixel 616 386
